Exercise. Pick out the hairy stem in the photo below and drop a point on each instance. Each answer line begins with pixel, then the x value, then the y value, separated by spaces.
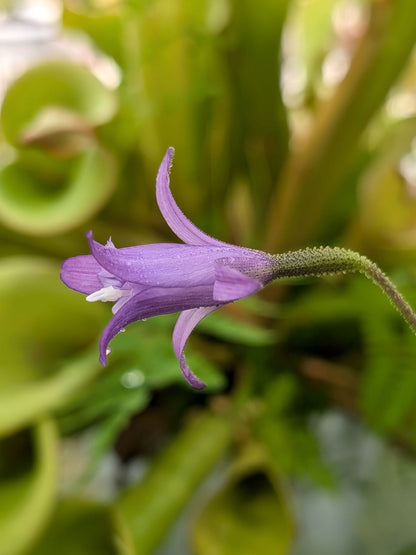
pixel 327 260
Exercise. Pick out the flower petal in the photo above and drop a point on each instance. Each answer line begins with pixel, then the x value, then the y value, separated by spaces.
pixel 81 274
pixel 175 218
pixel 230 284
pixel 164 264
pixel 185 324
pixel 149 302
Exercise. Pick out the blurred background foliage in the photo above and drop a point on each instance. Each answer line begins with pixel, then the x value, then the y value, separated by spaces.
pixel 294 124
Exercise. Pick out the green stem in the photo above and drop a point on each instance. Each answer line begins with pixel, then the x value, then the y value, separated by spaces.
pixel 327 260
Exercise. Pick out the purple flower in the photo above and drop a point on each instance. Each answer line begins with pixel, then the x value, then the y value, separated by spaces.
pixel 194 278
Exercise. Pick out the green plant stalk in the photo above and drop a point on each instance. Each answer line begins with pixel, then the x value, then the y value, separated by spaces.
pixel 150 507
pixel 321 261
pixel 316 169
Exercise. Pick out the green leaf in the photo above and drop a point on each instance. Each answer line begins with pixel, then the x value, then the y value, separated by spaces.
pixel 277 427
pixel 409 550
pixel 256 142
pixel 172 67
pixel 148 347
pixel 37 315
pixel 388 388
pixel 387 208
pixel 224 326
pixel 84 528
pixel 249 515
pixel 315 172
pixel 27 204
pixel 313 24
pixel 19 406
pixel 57 84
pixel 103 24
pixel 118 393
pixel 26 500
pixel 151 507
pixel 112 400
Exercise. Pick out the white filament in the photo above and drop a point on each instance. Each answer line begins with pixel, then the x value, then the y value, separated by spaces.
pixel 107 294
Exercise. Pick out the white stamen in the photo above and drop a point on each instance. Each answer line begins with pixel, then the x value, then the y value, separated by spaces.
pixel 108 351
pixel 107 294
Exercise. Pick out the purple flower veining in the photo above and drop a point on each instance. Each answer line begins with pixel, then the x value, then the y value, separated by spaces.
pixel 194 278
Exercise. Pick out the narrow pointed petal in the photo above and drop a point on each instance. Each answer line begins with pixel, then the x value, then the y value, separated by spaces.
pixel 231 285
pixel 185 324
pixel 81 274
pixel 149 302
pixel 175 218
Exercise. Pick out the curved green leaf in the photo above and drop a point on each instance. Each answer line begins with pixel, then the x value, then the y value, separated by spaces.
pixel 26 501
pixel 150 507
pixel 55 84
pixel 27 205
pixel 102 23
pixel 85 528
pixel 249 515
pixel 33 400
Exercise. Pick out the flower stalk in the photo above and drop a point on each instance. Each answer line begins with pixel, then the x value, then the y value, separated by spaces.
pixel 321 261
pixel 197 276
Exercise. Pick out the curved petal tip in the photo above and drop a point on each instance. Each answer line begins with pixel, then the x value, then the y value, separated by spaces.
pixel 189 376
pixel 173 215
pixel 186 322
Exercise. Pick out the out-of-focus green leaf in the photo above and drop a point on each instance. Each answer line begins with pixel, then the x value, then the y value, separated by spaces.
pixel 148 346
pixel 115 395
pixel 314 29
pixel 84 528
pixel 150 507
pixel 314 172
pixel 225 327
pixel 62 85
pixel 18 407
pixel 37 315
pixel 387 207
pixel 249 515
pixel 113 425
pixel 388 389
pixel 257 142
pixel 104 25
pixel 172 66
pixel 409 550
pixel 111 401
pixel 27 204
pixel 323 304
pixel 292 449
pixel 26 500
